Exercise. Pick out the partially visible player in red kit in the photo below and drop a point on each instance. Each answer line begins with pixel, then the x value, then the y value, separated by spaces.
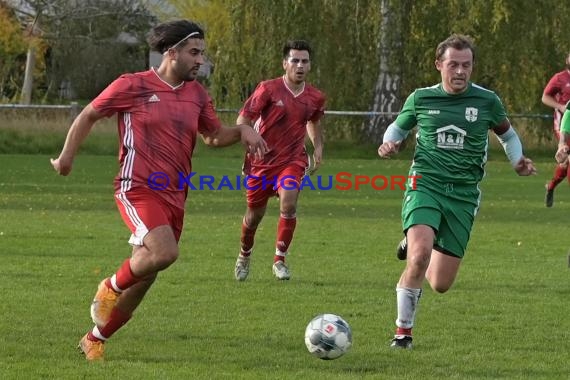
pixel 284 111
pixel 160 112
pixel 556 95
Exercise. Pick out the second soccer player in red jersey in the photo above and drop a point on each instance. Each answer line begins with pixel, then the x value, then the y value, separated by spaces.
pixel 284 111
pixel 556 95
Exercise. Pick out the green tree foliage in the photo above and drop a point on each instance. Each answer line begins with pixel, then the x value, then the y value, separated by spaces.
pixel 520 43
pixel 245 40
pixel 15 39
pixel 12 49
pixel 11 35
pixel 212 15
pixel 94 41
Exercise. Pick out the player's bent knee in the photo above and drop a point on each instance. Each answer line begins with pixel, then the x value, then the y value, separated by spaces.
pixel 439 285
pixel 440 288
pixel 171 256
pixel 288 207
pixel 288 213
pixel 253 217
pixel 418 262
pixel 165 258
pixel 253 222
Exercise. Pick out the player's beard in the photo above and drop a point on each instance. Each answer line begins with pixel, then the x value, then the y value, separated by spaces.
pixel 190 74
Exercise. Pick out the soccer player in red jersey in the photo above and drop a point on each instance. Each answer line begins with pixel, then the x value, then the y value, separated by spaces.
pixel 556 95
pixel 284 111
pixel 160 112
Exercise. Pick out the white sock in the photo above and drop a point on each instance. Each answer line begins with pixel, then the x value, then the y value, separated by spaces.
pixel 97 334
pixel 279 253
pixel 114 284
pixel 407 299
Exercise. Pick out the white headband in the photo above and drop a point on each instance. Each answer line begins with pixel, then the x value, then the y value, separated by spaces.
pixel 182 40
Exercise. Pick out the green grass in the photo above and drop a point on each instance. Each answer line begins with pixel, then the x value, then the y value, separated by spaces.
pixel 505 317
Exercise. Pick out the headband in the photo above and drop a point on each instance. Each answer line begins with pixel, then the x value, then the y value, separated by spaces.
pixel 182 40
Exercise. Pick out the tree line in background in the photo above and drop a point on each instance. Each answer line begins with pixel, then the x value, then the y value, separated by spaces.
pixel 80 46
pixel 369 54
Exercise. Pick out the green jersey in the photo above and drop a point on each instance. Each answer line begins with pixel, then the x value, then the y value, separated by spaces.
pixel 452 137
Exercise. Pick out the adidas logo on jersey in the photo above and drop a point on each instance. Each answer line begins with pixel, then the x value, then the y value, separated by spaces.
pixel 154 98
pixel 279 103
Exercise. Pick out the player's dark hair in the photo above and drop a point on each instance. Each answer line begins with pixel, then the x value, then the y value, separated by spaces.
pixel 455 41
pixel 173 34
pixel 296 45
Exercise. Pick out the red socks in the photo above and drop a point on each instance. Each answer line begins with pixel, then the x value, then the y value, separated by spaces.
pixel 402 331
pixel 123 279
pixel 117 320
pixel 285 230
pixel 559 175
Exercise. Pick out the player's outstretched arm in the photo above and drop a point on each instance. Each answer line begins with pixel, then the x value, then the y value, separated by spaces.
pixel 525 167
pixel 562 152
pixel 315 133
pixel 392 140
pixel 513 149
pixel 551 102
pixel 389 148
pixel 78 132
pixel 226 136
pixel 253 142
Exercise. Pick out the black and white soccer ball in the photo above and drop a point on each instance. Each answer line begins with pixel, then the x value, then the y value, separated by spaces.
pixel 328 336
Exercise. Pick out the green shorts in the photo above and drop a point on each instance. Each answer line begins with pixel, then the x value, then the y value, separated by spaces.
pixel 449 209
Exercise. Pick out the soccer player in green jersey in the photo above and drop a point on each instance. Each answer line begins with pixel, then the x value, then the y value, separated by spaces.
pixel 453 119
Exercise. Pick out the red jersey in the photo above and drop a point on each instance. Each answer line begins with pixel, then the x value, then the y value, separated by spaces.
pixel 559 88
pixel 281 118
pixel 158 125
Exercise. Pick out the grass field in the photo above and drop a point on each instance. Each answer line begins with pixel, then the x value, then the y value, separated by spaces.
pixel 505 318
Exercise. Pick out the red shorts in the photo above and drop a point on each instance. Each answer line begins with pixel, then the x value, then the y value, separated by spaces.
pixel 264 186
pixel 142 210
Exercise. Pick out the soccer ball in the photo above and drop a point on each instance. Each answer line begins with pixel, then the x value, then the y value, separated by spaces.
pixel 328 336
